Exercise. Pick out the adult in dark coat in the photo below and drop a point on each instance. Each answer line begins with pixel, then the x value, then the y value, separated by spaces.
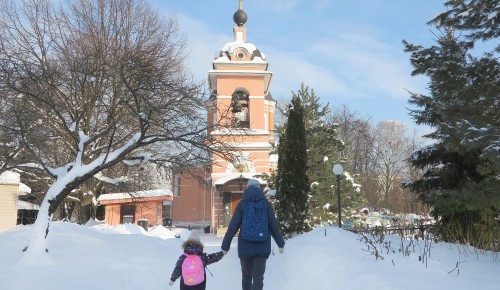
pixel 253 255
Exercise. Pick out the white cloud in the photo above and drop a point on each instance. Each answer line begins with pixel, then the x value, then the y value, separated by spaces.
pixel 290 69
pixel 343 62
pixel 368 66
pixel 203 45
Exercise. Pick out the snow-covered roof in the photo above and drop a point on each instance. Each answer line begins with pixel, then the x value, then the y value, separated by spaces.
pixel 233 45
pixel 230 47
pixel 24 188
pixel 234 131
pixel 9 177
pixel 27 205
pixel 223 180
pixel 137 194
pixel 256 145
pixel 14 178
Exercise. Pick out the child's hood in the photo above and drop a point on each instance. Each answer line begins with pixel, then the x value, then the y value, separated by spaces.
pixel 192 247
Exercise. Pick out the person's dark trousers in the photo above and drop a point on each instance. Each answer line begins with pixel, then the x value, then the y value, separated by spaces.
pixel 253 269
pixel 201 286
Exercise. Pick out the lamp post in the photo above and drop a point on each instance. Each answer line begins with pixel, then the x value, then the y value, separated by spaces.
pixel 338 170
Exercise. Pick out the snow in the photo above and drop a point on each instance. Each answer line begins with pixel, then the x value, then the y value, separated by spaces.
pixel 127 257
pixel 65 174
pixel 9 177
pixel 26 205
pixel 465 13
pixel 492 15
pixel 356 186
pixel 248 175
pixel 133 162
pixel 136 194
pixel 115 181
pixel 271 193
pixel 230 47
pixel 225 131
pixel 72 127
pixel 23 188
pixel 140 158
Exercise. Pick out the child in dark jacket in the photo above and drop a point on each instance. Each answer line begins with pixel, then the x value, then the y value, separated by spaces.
pixel 193 246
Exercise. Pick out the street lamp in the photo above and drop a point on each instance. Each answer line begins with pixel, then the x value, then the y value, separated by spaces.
pixel 338 170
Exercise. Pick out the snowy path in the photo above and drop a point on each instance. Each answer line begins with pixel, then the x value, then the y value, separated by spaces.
pixel 128 258
pixel 227 272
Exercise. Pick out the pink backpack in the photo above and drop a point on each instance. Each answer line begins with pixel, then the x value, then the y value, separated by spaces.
pixel 193 271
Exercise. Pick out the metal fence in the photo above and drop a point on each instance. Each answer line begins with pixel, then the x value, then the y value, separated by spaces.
pixel 411 232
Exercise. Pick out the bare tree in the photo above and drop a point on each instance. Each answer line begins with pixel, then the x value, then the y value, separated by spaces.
pixel 355 131
pixel 378 155
pixel 389 158
pixel 90 83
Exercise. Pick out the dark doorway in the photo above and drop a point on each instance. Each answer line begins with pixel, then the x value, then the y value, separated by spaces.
pixel 26 217
pixel 127 213
pixel 226 202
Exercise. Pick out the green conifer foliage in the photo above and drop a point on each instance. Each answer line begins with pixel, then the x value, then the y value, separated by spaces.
pixel 462 178
pixel 292 182
pixel 323 150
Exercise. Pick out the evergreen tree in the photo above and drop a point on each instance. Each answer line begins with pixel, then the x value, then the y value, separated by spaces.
pixel 461 182
pixel 292 182
pixel 323 150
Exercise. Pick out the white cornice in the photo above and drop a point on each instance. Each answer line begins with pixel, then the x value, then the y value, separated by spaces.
pixel 213 74
pixel 236 131
pixel 240 72
pixel 228 63
pixel 248 146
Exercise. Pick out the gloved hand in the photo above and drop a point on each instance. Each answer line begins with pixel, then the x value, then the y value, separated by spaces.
pixel 282 250
pixel 224 252
pixel 171 283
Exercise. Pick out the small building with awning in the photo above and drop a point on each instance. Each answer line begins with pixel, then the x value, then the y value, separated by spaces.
pixel 140 207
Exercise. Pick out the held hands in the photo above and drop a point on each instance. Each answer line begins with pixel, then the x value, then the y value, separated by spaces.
pixel 282 250
pixel 224 252
pixel 171 283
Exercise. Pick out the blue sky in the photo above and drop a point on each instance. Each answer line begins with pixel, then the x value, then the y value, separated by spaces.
pixel 349 51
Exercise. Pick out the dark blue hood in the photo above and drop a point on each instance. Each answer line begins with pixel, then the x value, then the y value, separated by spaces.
pixel 192 247
pixel 253 193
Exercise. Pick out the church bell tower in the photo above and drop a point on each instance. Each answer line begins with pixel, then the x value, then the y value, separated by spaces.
pixel 240 113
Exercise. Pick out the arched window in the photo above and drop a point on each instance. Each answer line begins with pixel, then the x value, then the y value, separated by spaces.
pixel 240 107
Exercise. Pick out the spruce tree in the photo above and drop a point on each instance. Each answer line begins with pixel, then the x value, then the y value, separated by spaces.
pixel 292 185
pixel 462 168
pixel 323 150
